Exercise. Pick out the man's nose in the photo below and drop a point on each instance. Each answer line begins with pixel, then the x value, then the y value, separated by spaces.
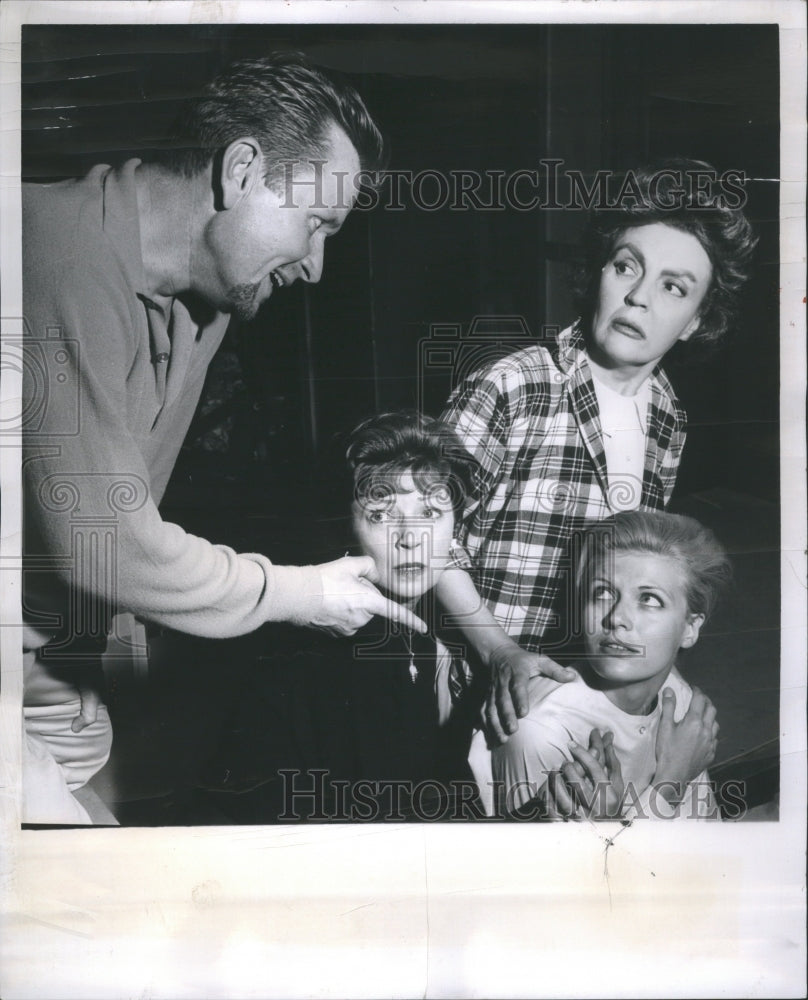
pixel 311 265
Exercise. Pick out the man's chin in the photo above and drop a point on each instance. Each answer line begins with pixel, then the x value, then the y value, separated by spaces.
pixel 246 300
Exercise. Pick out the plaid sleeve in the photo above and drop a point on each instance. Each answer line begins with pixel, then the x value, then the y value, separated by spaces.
pixel 670 464
pixel 667 433
pixel 673 419
pixel 459 557
pixel 481 412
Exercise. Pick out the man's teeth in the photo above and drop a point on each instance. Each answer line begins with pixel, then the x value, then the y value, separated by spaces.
pixel 277 279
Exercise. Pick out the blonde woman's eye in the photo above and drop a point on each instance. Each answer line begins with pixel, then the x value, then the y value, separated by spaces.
pixel 431 513
pixel 651 601
pixel 376 516
pixel 601 594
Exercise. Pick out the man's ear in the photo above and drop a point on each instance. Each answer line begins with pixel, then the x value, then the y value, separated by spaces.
pixel 691 632
pixel 241 168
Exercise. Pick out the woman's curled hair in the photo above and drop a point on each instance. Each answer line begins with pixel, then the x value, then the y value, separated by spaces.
pixel 384 447
pixel 665 192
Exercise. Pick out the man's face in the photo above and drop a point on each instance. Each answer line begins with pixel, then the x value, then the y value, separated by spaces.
pixel 651 291
pixel 265 239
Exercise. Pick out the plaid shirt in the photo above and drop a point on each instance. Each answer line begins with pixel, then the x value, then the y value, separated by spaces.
pixel 531 421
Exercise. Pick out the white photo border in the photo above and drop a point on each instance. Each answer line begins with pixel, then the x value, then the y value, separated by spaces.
pixel 444 910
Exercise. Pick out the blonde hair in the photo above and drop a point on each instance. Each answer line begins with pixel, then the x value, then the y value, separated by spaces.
pixel 704 562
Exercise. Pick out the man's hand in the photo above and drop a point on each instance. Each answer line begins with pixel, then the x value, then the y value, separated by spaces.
pixel 350 599
pixel 511 668
pixel 90 684
pixel 685 748
pixel 588 787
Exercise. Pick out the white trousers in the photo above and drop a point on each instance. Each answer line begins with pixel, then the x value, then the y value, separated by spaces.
pixel 55 760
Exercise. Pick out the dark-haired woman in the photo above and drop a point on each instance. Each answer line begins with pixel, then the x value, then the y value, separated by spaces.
pixel 582 427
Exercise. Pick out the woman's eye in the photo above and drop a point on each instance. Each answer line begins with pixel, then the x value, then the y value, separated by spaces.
pixel 376 516
pixel 674 289
pixel 624 267
pixel 601 594
pixel 430 513
pixel 651 601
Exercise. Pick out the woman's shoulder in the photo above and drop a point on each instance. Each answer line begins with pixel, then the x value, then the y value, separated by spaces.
pixel 546 695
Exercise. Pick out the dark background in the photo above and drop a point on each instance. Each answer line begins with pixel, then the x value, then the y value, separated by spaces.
pixel 255 472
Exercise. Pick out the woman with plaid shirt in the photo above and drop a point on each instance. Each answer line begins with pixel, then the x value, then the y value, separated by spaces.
pixel 577 429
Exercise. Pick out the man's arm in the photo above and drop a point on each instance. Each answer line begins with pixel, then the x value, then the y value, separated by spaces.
pixel 92 486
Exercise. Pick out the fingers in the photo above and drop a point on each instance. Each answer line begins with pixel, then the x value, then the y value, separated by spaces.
pixel 579 788
pixel 559 801
pixel 362 566
pixel 518 697
pixel 553 670
pixel 90 701
pixel 504 702
pixel 588 763
pixel 511 669
pixel 398 613
pixel 495 733
pixel 666 714
pixel 700 705
pixel 613 767
pixel 596 744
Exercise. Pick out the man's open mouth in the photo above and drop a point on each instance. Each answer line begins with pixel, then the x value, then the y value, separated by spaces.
pixel 277 279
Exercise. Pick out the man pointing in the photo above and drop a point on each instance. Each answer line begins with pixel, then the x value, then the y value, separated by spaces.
pixel 130 276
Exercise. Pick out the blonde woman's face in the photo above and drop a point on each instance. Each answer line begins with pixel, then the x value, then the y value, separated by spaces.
pixel 637 617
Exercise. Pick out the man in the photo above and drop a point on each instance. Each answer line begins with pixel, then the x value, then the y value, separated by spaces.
pixel 130 278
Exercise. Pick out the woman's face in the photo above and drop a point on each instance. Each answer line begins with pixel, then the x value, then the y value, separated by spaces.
pixel 407 530
pixel 637 618
pixel 651 291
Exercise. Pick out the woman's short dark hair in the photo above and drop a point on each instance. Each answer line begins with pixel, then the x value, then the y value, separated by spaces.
pixel 665 193
pixel 285 103
pixel 702 558
pixel 384 447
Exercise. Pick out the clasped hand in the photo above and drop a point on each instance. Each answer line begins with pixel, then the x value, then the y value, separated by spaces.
pixel 590 786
